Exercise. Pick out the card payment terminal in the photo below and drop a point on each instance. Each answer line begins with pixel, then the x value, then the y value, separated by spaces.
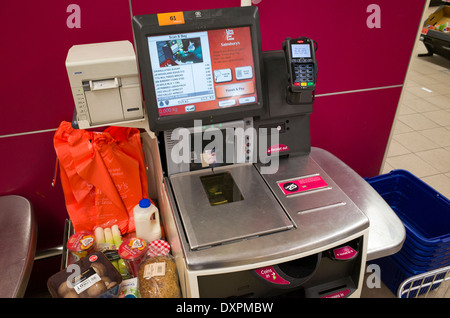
pixel 301 62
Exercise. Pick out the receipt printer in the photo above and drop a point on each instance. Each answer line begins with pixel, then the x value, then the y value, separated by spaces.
pixel 105 83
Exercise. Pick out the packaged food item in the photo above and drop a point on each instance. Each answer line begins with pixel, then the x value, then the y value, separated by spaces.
pixel 107 238
pixel 81 244
pixel 133 251
pixel 158 248
pixel 90 277
pixel 129 288
pixel 118 263
pixel 158 278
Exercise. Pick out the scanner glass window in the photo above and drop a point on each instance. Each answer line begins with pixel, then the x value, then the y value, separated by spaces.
pixel 221 188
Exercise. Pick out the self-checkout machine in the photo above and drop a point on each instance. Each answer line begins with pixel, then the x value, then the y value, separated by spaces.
pixel 249 207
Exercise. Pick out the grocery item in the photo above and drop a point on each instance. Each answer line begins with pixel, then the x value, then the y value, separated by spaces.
pixel 117 236
pixel 118 263
pixel 158 278
pixel 133 251
pixel 158 248
pixel 90 277
pixel 107 238
pixel 81 244
pixel 129 288
pixel 146 219
pixel 99 238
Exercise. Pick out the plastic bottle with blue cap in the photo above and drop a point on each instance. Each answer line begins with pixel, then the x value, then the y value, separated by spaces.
pixel 146 220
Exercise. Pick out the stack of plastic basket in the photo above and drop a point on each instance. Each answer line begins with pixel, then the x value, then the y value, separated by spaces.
pixel 425 214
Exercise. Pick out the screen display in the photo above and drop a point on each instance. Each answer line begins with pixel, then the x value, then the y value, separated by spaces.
pixel 199 71
pixel 301 51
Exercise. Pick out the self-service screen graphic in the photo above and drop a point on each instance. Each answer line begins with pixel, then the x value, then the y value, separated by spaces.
pixel 199 71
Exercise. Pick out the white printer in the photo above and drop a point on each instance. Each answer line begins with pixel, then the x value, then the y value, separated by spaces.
pixel 105 83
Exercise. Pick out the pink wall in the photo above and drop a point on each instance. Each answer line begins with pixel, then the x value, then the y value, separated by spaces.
pixel 35 93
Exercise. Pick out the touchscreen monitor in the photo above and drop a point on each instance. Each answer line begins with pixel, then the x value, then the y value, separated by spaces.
pixel 207 67
pixel 200 71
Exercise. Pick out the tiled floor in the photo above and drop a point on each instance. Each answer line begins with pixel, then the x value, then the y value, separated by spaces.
pixel 420 141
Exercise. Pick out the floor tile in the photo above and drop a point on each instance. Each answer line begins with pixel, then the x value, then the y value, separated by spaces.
pixel 405 110
pixel 439 182
pixel 441 77
pixel 421 105
pixel 422 91
pixel 441 88
pixel 412 163
pixel 439 135
pixel 423 67
pixel 442 101
pixel 441 117
pixel 417 121
pixel 387 168
pixel 414 141
pixel 438 158
pixel 406 95
pixel 410 83
pixel 401 128
pixel 396 149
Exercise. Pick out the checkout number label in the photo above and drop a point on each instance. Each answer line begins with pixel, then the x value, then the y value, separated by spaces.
pixel 170 18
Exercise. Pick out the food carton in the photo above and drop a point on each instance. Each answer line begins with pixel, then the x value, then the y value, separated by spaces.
pixel 93 276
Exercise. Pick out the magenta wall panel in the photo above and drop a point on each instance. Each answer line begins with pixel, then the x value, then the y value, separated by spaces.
pixel 355 127
pixel 35 88
pixel 35 92
pixel 27 167
pixel 350 55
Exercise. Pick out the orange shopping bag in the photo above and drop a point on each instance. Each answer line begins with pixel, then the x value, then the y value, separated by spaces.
pixel 83 199
pixel 102 183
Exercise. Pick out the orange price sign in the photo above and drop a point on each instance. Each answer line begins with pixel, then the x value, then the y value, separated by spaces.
pixel 170 18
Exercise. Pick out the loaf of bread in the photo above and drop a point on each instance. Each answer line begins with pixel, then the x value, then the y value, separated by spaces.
pixel 158 278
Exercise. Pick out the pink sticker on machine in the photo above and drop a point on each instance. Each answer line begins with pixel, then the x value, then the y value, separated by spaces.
pixel 268 273
pixel 344 253
pixel 302 184
pixel 340 294
pixel 277 148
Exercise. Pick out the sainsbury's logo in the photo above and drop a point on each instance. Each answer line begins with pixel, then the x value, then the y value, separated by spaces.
pixel 230 34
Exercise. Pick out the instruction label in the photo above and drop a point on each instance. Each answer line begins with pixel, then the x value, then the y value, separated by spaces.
pixel 302 184
pixel 268 273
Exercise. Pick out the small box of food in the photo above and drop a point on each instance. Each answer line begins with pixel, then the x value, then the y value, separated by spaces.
pixel 93 276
